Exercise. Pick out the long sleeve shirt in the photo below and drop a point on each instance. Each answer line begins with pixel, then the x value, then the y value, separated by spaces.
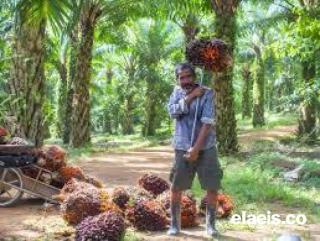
pixel 184 117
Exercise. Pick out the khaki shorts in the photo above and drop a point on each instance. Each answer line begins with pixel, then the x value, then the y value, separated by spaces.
pixel 207 168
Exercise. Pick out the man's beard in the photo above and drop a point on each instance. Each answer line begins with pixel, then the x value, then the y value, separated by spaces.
pixel 188 87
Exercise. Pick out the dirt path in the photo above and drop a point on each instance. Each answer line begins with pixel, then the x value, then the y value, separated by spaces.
pixel 28 220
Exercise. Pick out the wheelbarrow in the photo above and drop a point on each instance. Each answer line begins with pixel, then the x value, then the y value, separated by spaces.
pixel 14 183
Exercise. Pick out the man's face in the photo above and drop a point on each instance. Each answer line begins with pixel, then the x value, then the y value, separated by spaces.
pixel 186 79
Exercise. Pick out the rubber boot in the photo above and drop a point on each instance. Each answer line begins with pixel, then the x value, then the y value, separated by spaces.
pixel 175 225
pixel 211 221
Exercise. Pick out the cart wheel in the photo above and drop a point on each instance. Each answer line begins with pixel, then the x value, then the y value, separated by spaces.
pixel 10 182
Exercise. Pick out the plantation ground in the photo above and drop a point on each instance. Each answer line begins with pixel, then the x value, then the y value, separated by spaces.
pixel 249 178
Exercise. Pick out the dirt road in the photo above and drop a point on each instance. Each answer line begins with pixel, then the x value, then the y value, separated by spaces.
pixel 31 218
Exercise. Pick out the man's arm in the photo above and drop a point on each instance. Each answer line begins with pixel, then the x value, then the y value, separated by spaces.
pixel 204 131
pixel 207 119
pixel 178 106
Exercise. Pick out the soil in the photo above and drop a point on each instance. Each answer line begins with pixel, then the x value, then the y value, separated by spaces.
pixel 31 218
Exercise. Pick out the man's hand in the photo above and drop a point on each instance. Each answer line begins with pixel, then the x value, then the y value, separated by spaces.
pixel 192 154
pixel 197 92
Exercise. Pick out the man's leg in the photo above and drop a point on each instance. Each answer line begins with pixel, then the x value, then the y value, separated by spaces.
pixel 181 177
pixel 175 211
pixel 210 176
pixel 211 213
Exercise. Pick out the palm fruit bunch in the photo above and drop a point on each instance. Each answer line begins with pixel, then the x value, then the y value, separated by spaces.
pixel 188 212
pixel 71 186
pixel 153 184
pixel 147 215
pixel 94 181
pixel 18 141
pixel 188 208
pixel 52 158
pixel 137 193
pixel 30 171
pixel 212 55
pixel 224 205
pixel 107 204
pixel 164 199
pixel 120 197
pixel 108 226
pixel 66 173
pixel 69 172
pixel 85 202
pixel 4 135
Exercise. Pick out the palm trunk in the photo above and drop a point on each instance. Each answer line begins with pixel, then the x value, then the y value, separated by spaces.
pixel 72 72
pixel 258 91
pixel 246 92
pixel 80 133
pixel 308 107
pixel 149 128
pixel 62 98
pixel 127 125
pixel 28 79
pixel 225 29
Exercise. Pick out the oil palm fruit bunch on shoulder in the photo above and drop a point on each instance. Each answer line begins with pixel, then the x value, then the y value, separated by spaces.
pixel 153 184
pixel 86 202
pixel 212 55
pixel 107 226
pixel 147 215
pixel 224 207
pixel 120 197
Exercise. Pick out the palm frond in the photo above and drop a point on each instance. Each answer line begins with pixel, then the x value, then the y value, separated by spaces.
pixel 34 12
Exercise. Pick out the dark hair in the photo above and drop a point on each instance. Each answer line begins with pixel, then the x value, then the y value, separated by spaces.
pixel 185 66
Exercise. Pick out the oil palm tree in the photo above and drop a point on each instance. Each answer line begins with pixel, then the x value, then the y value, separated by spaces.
pixel 27 82
pixel 92 13
pixel 153 44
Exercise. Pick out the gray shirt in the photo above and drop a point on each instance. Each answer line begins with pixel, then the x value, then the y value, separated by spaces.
pixel 184 118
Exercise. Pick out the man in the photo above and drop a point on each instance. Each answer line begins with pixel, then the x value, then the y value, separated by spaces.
pixel 199 157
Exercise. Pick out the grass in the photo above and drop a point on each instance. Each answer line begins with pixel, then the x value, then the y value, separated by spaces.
pixel 131 236
pixel 272 120
pixel 256 185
